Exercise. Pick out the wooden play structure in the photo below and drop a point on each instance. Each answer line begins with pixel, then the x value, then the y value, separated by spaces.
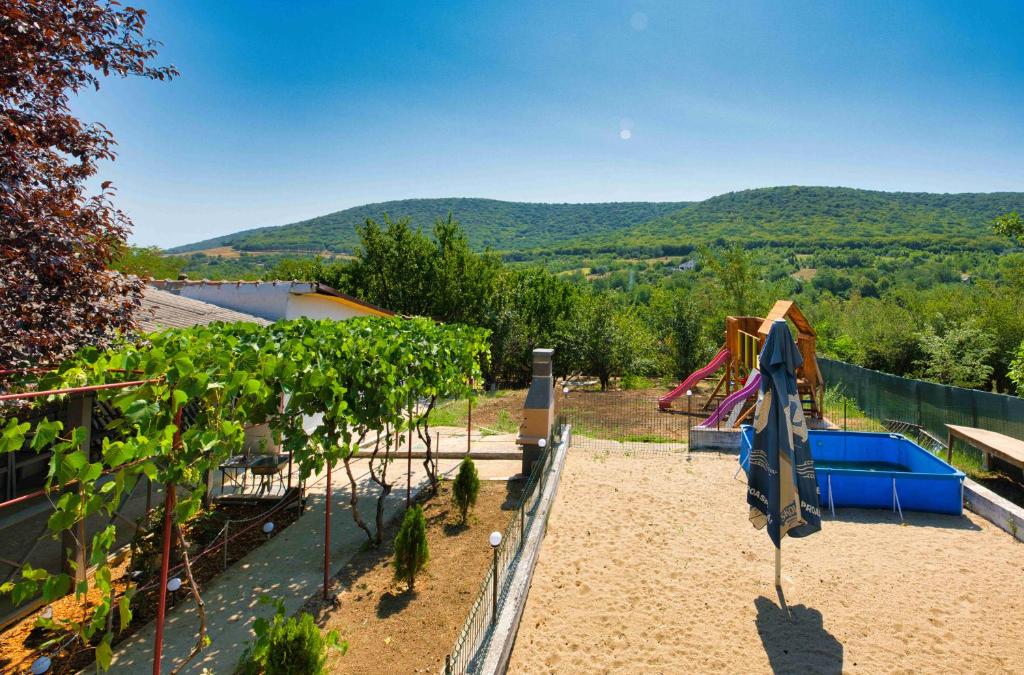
pixel 738 360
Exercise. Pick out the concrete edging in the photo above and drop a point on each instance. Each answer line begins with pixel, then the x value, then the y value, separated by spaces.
pixel 995 509
pixel 498 649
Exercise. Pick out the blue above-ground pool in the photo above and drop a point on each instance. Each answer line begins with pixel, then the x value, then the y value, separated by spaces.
pixel 863 469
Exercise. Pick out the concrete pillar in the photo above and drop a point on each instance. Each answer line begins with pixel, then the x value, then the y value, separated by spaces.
pixel 539 409
pixel 73 543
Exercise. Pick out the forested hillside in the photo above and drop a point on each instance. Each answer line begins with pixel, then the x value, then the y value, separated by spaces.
pixel 803 217
pixel 809 218
pixel 490 223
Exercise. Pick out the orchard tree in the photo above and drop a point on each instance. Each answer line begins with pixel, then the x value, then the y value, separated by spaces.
pixel 58 243
pixel 1011 225
pixel 1016 374
pixel 959 357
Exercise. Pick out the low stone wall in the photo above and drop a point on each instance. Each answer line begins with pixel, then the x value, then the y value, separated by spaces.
pixel 498 647
pixel 1001 512
pixel 721 440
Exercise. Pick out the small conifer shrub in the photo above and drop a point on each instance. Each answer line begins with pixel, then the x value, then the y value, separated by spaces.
pixel 411 550
pixel 466 488
pixel 288 645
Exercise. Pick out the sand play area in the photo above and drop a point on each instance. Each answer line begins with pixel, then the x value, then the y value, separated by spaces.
pixel 651 566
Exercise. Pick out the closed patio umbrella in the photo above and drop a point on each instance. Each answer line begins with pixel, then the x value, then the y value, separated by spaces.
pixel 782 491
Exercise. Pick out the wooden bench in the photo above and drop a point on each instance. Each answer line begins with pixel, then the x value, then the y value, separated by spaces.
pixel 990 443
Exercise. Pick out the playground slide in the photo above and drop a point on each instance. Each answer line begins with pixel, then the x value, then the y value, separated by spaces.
pixel 665 402
pixel 733 399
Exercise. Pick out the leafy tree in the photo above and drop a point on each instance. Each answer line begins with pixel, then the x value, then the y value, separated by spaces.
pixel 678 322
pixel 148 262
pixel 411 549
pixel 1016 374
pixel 57 243
pixel 883 334
pixel 733 269
pixel 466 487
pixel 958 357
pixel 1010 225
pixel 533 308
pixel 464 281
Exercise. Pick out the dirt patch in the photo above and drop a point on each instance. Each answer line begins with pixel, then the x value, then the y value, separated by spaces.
pixel 23 642
pixel 616 414
pixel 215 252
pixel 805 274
pixel 390 630
pixel 634 415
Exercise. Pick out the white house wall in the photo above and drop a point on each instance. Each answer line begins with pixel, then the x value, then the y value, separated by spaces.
pixel 264 300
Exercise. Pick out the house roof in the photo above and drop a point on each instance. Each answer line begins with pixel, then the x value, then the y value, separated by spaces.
pixel 161 309
pixel 296 287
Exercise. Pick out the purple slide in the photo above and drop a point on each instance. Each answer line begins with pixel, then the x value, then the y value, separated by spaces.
pixel 733 399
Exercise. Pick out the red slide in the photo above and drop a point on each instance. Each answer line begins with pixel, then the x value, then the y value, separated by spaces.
pixel 665 402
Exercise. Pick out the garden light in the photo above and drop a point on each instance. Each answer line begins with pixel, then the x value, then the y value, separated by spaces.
pixel 565 390
pixel 173 584
pixel 268 527
pixel 40 665
pixel 542 442
pixel 495 539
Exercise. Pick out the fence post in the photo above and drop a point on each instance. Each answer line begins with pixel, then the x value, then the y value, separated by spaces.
pixel 494 595
pixel 226 525
pixel 540 478
pixel 844 414
pixel 522 524
pixel 448 664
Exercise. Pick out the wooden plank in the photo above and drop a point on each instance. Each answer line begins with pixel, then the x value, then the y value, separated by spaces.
pixel 1004 447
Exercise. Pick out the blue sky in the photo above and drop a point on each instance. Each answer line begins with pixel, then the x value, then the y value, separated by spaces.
pixel 289 110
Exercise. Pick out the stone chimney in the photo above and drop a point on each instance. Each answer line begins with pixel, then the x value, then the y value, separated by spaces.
pixel 539 409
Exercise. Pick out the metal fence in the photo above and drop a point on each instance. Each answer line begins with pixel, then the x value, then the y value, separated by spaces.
pixel 489 599
pixel 629 416
pixel 927 405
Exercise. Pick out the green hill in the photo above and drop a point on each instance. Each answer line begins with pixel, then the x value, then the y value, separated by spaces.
pixel 800 217
pixel 489 223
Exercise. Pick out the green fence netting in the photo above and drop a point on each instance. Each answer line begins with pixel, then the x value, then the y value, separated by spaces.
pixel 925 404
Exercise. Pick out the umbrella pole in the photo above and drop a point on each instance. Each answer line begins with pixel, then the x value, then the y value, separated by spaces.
pixel 778 567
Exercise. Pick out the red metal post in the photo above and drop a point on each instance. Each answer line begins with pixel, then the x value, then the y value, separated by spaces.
pixel 469 418
pixel 327 533
pixel 165 564
pixel 75 390
pixel 408 474
pixel 164 567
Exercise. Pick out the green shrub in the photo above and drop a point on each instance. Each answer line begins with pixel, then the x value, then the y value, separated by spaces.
pixel 466 487
pixel 411 550
pixel 288 645
pixel 629 382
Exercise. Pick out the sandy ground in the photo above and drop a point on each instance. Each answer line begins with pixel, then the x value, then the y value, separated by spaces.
pixel 651 566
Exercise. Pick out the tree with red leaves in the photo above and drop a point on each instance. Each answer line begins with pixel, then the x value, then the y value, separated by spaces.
pixel 57 243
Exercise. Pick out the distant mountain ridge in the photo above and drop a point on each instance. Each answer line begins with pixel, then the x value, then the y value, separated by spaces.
pixel 774 216
pixel 489 223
